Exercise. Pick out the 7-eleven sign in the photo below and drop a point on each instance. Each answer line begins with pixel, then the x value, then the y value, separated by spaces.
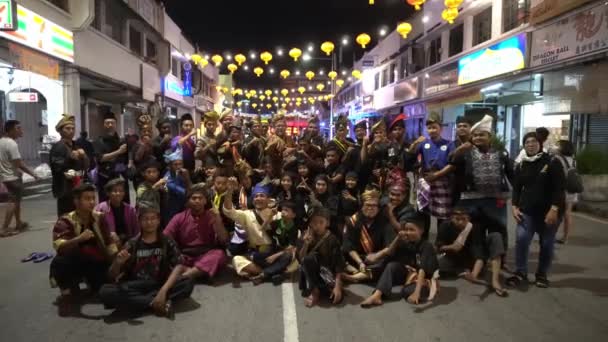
pixel 8 15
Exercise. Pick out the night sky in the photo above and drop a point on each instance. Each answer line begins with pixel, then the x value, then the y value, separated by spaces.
pixel 244 26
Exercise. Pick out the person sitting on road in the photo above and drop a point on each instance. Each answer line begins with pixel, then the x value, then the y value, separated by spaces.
pixel 147 272
pixel 200 236
pixel 252 222
pixel 321 260
pixel 84 249
pixel 119 217
pixel 413 262
pixel 148 192
pixel 284 235
pixel 466 243
pixel 366 236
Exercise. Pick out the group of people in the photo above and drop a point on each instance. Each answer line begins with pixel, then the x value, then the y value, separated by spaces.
pixel 248 195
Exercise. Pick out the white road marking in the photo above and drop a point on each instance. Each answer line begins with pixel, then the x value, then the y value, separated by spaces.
pixel 590 218
pixel 31 196
pixel 290 317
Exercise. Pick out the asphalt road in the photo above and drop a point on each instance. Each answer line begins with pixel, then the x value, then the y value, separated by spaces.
pixel 574 308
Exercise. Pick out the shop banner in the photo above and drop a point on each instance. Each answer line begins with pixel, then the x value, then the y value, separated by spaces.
pixel 406 90
pixel 22 97
pixel 26 59
pixel 441 79
pixel 42 34
pixel 507 56
pixel 541 10
pixel 579 34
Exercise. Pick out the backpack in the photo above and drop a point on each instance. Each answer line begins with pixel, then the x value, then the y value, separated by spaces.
pixel 574 182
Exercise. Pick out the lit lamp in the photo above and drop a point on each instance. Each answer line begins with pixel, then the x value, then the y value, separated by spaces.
pixel 232 68
pixel 332 75
pixel 310 75
pixel 301 90
pixel 416 3
pixel 405 28
pixel 196 58
pixel 254 105
pixel 266 57
pixel 327 47
pixel 320 86
pixel 275 99
pixel 240 58
pixel 262 97
pixel 340 83
pixel 449 14
pixel 258 71
pixel 363 39
pixel 356 74
pixel 295 53
pixel 268 105
pixel 452 3
pixel 268 93
pixel 285 74
pixel 217 59
pixel 284 92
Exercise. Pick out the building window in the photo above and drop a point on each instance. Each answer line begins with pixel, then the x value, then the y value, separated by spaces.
pixel 456 40
pixel 377 81
pixel 151 51
pixel 384 77
pixel 515 13
pixel 175 67
pixel 135 41
pixel 63 4
pixel 434 53
pixel 110 19
pixel 393 73
pixel 418 58
pixel 403 66
pixel 482 26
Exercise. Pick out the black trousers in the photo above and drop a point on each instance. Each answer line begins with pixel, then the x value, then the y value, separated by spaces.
pixel 278 267
pixel 65 204
pixel 137 295
pixel 493 247
pixel 310 276
pixel 68 271
pixel 394 274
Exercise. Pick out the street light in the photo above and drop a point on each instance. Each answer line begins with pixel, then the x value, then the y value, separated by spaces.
pixel 280 52
pixel 228 57
pixel 306 57
pixel 253 55
pixel 344 72
pixel 297 72
pixel 345 41
pixel 382 32
pixel 246 67
pixel 311 48
pixel 271 70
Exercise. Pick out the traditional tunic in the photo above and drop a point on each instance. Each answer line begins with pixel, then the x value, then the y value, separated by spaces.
pixel 176 195
pixel 61 161
pixel 188 148
pixel 128 220
pixel 197 240
pixel 109 170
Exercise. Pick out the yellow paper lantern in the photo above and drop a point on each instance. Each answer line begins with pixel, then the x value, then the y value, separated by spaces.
pixel 310 75
pixel 239 91
pixel 371 2
pixel 288 99
pixel 284 92
pixel 232 68
pixel 240 58
pixel 275 99
pixel 363 39
pixel 268 105
pixel 225 90
pixel 356 74
pixel 295 53
pixel 203 63
pixel 404 29
pixel 416 3
pixel 301 90
pixel 217 59
pixel 254 105
pixel 320 98
pixel 327 47
pixel 311 100
pixel 320 86
pixel 196 58
pixel 449 14
pixel 262 97
pixel 332 75
pixel 284 105
pixel 452 3
pixel 268 93
pixel 266 57
pixel 248 95
pixel 298 104
pixel 339 83
pixel 239 104
pixel 258 71
pixel 285 74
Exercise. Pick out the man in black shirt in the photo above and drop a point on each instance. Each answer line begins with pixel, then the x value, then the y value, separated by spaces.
pixel 111 156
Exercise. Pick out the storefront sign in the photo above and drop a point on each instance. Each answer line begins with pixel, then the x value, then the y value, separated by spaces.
pixel 579 34
pixel 42 34
pixel 187 79
pixel 541 10
pixel 29 60
pixel 441 79
pixel 8 15
pixel 406 90
pixel 506 56
pixel 22 97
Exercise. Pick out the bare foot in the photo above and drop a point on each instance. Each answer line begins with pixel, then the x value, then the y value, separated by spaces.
pixel 469 276
pixel 373 300
pixel 313 299
pixel 355 278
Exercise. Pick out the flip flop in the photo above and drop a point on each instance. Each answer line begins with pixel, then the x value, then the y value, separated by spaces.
pixel 42 257
pixel 30 257
pixel 500 292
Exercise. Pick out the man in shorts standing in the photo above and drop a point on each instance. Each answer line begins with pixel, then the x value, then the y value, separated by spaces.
pixel 11 167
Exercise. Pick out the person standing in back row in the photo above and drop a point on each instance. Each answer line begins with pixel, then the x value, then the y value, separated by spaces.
pixel 11 167
pixel 111 156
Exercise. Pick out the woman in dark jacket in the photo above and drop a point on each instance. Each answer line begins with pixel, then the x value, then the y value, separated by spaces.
pixel 538 207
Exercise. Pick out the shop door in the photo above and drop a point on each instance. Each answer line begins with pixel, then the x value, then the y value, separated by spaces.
pixel 32 116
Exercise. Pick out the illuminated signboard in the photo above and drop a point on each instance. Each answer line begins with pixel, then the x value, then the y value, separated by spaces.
pixel 42 34
pixel 22 97
pixel 8 14
pixel 506 56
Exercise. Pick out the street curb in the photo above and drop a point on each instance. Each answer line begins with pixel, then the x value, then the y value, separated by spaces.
pixel 592 208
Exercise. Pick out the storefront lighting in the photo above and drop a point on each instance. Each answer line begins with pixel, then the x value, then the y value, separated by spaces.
pixel 491 88
pixel 425 19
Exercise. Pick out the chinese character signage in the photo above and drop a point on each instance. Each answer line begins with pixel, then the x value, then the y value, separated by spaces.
pixel 8 15
pixel 42 34
pixel 506 56
pixel 579 34
pixel 541 10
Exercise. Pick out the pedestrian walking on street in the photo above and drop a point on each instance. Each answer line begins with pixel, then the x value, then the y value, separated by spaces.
pixel 11 168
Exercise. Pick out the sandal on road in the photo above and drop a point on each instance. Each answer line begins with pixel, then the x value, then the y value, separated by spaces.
pixel 30 257
pixel 516 280
pixel 500 292
pixel 23 226
pixel 42 257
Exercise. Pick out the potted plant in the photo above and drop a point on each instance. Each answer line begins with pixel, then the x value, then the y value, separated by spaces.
pixel 592 165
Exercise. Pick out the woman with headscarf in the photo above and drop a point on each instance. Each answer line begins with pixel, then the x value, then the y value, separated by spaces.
pixel 69 164
pixel 539 201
